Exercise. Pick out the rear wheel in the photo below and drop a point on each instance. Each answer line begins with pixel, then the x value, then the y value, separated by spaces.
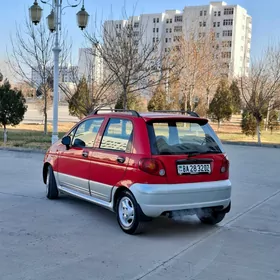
pixel 210 217
pixel 128 214
pixel 51 187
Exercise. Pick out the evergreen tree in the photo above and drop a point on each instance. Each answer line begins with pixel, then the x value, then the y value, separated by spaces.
pixel 80 100
pixel 236 97
pixel 248 124
pixel 220 107
pixel 12 107
pixel 273 123
pixel 158 100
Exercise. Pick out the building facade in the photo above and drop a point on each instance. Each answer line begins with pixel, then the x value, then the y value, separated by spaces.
pixel 231 25
pixel 90 65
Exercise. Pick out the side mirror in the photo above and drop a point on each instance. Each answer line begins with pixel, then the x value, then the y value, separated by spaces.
pixel 79 143
pixel 66 140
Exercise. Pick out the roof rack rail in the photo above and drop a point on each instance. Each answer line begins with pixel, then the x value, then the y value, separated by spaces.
pixel 133 112
pixel 191 113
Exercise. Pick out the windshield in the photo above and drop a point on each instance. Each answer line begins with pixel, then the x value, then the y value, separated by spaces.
pixel 181 137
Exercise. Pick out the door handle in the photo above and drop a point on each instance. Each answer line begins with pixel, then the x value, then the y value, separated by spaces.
pixel 121 159
pixel 85 154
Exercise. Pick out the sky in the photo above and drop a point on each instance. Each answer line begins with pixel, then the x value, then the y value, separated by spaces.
pixel 265 18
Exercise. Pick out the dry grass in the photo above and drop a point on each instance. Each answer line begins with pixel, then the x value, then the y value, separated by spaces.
pixel 31 135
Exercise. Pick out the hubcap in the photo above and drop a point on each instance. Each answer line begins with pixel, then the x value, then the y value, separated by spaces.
pixel 126 212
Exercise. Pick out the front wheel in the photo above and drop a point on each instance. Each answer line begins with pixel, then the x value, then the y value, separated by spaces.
pixel 128 214
pixel 51 186
pixel 211 217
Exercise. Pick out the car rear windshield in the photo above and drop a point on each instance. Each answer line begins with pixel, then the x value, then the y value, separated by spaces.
pixel 182 137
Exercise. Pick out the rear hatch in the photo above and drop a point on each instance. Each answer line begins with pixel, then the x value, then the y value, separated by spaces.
pixel 189 150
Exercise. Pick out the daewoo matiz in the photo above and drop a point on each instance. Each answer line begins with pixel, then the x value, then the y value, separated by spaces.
pixel 142 166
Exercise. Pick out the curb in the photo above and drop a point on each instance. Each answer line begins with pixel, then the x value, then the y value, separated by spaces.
pixel 252 144
pixel 22 150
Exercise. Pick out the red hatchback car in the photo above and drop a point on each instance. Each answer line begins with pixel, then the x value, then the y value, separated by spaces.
pixel 142 166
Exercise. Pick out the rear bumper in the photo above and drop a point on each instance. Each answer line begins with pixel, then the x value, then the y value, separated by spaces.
pixel 158 198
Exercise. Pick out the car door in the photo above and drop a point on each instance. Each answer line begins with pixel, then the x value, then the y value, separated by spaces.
pixel 109 160
pixel 74 163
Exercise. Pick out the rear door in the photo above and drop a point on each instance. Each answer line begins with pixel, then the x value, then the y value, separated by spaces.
pixel 187 149
pixel 109 160
pixel 74 163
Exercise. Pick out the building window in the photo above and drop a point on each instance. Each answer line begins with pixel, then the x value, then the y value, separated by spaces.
pixel 215 14
pixel 228 22
pixel 170 20
pixel 170 30
pixel 217 35
pixel 154 30
pixel 178 18
pixel 204 23
pixel 226 54
pixel 154 39
pixel 167 30
pixel 227 44
pixel 218 24
pixel 227 33
pixel 214 24
pixel 178 29
pixel 166 40
pixel 205 13
pixel 169 40
pixel 200 24
pixel 157 39
pixel 136 24
pixel 136 33
pixel 228 11
pixel 157 20
pixel 219 13
pixel 201 13
pixel 157 30
pixel 201 34
pixel 167 21
pixel 154 20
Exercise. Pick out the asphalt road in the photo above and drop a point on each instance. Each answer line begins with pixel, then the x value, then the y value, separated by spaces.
pixel 72 240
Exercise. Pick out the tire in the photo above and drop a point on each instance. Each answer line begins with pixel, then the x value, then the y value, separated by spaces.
pixel 210 217
pixel 51 187
pixel 129 214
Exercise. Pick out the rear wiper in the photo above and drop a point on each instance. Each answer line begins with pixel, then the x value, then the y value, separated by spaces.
pixel 192 154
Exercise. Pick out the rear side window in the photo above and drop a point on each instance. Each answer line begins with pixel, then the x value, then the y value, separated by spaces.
pixel 118 135
pixel 181 137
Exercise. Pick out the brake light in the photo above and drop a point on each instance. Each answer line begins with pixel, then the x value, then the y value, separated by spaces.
pixel 225 165
pixel 152 166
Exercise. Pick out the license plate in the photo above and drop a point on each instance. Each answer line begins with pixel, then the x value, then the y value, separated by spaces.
pixel 193 168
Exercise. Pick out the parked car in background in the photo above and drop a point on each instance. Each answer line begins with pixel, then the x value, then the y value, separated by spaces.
pixel 142 166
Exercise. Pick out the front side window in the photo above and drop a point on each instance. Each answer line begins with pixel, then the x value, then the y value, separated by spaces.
pixel 86 133
pixel 182 137
pixel 118 135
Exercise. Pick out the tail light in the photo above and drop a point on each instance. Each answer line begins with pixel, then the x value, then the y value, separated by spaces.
pixel 225 165
pixel 152 166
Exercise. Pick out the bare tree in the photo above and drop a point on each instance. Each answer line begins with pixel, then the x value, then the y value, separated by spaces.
pixel 136 62
pixel 32 51
pixel 98 90
pixel 200 59
pixel 261 87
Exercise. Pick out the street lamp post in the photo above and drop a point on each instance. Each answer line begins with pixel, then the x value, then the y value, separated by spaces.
pixel 54 24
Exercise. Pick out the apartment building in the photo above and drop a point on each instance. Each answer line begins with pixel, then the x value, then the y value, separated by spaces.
pixel 231 25
pixel 90 65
